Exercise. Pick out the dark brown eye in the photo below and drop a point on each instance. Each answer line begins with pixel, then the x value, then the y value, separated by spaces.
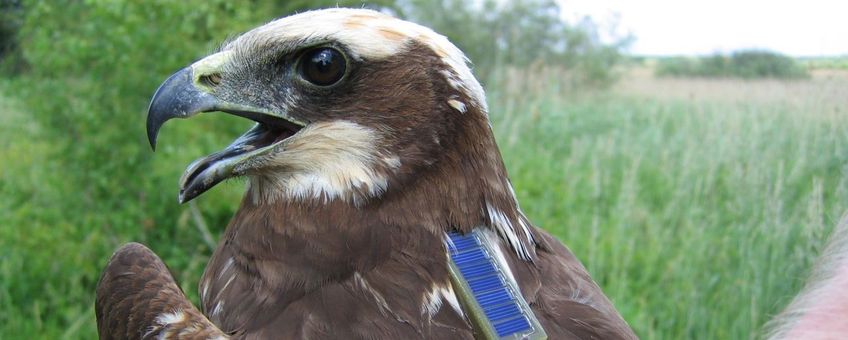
pixel 322 66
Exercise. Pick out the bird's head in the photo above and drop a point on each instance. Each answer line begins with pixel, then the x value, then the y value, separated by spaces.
pixel 353 107
pixel 346 102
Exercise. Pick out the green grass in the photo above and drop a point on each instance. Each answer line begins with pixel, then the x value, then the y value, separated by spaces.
pixel 700 219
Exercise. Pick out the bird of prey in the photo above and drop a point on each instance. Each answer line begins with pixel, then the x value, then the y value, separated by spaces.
pixel 371 158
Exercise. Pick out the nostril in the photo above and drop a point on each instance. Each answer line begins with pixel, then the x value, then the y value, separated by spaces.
pixel 211 80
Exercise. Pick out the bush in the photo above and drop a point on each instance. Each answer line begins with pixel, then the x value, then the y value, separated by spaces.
pixel 11 14
pixel 740 64
pixel 500 35
pixel 765 64
pixel 826 63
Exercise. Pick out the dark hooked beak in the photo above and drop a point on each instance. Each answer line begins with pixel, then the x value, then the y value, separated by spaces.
pixel 186 94
pixel 177 97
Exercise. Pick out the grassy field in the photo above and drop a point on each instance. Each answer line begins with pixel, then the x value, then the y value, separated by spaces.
pixel 699 205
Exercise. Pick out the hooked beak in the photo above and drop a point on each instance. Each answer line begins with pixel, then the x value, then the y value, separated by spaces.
pixel 185 94
pixel 177 97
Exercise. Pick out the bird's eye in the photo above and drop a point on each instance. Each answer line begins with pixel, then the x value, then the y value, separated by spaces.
pixel 323 66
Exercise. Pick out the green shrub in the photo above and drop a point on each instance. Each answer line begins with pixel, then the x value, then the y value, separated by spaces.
pixel 740 64
pixel 11 14
pixel 830 63
pixel 676 66
pixel 765 64
pixel 497 35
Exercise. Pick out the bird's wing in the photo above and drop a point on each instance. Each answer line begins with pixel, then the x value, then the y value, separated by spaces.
pixel 137 298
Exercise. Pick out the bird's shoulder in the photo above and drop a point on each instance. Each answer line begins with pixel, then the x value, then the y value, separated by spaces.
pixel 137 298
pixel 567 301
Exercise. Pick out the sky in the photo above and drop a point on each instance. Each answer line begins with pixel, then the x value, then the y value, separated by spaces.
pixel 688 27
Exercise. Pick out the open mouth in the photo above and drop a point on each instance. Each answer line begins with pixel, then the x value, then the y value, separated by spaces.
pixel 206 172
pixel 181 97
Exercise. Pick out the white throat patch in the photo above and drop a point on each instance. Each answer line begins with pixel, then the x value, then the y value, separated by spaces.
pixel 324 161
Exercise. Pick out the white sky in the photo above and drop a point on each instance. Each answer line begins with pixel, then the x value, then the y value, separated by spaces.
pixel 663 27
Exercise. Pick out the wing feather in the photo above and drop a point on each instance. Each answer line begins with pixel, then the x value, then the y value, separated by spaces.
pixel 137 298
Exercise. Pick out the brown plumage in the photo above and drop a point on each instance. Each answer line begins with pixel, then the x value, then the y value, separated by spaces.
pixel 354 178
pixel 137 298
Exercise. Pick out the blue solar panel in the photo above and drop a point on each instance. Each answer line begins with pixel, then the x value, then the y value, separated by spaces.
pixel 505 310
